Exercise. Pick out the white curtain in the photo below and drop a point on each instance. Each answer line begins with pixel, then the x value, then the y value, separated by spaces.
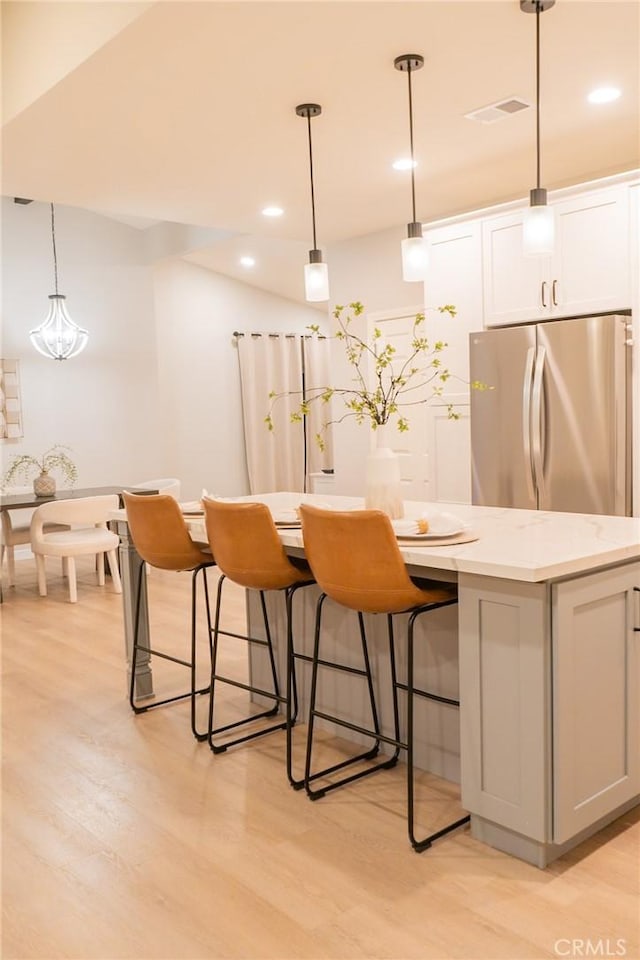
pixel 317 367
pixel 275 459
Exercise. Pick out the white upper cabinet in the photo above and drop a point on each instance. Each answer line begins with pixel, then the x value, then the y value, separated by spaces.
pixel 588 273
pixel 454 277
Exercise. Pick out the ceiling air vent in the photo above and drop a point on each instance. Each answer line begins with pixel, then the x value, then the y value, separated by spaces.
pixel 498 111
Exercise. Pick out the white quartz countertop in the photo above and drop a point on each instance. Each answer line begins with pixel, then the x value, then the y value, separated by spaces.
pixel 530 545
pixel 527 545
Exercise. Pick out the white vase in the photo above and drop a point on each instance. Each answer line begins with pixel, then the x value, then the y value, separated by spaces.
pixel 383 490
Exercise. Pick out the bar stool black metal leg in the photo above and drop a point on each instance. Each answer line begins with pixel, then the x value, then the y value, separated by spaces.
pixel 394 684
pixel 313 713
pixel 292 685
pixel 273 694
pixel 194 693
pixel 274 673
pixel 367 667
pixel 425 843
pixel 134 652
pixel 137 646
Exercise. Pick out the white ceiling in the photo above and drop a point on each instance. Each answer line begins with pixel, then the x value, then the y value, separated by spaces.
pixel 185 113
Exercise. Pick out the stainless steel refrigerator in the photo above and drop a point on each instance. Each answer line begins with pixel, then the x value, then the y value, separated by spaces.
pixel 554 432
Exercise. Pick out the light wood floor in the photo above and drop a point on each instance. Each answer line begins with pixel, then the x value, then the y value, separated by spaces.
pixel 124 838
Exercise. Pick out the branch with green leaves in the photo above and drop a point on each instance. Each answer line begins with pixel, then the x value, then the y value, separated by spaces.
pixel 55 458
pixel 377 398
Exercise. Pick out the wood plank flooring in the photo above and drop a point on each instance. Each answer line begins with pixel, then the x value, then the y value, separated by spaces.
pixel 124 838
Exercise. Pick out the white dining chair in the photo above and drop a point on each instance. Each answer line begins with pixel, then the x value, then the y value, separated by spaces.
pixel 166 485
pixel 88 535
pixel 15 531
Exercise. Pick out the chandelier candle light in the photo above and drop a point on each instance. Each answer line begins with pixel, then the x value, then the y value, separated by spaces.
pixel 414 247
pixel 58 337
pixel 316 274
pixel 538 231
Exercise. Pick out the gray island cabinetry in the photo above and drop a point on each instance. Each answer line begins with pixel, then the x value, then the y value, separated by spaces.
pixel 550 727
pixel 548 637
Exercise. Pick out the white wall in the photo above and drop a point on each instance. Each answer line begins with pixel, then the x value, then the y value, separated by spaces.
pixel 368 269
pixel 156 392
pixel 197 312
pixel 104 402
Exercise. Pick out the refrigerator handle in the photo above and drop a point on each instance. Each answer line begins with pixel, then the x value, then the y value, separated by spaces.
pixel 526 420
pixel 536 422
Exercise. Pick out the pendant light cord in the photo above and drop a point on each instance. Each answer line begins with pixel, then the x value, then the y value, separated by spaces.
pixel 53 241
pixel 538 94
pixel 313 199
pixel 413 179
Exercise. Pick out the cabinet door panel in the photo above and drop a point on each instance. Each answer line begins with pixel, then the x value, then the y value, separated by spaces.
pixel 513 290
pixel 595 697
pixel 455 277
pixel 590 267
pixel 504 703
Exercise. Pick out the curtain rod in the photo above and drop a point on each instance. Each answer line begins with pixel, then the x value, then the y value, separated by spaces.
pixel 289 336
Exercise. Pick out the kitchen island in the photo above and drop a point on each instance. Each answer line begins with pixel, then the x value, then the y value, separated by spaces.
pixel 547 629
pixel 548 636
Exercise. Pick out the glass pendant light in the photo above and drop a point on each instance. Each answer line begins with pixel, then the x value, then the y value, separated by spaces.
pixel 58 337
pixel 538 229
pixel 316 274
pixel 415 254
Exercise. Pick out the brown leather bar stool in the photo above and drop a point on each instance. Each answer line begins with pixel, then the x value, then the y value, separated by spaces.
pixel 248 551
pixel 357 563
pixel 162 540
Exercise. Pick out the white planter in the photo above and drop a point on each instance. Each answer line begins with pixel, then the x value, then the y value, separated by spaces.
pixel 383 488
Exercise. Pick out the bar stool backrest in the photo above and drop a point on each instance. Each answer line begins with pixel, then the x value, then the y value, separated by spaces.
pixel 355 558
pixel 160 534
pixel 245 542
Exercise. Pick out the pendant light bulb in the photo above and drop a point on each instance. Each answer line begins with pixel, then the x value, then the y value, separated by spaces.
pixel 415 252
pixel 316 278
pixel 58 337
pixel 415 255
pixel 316 273
pixel 538 228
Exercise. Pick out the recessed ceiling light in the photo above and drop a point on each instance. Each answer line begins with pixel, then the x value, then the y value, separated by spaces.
pixel 604 95
pixel 247 261
pixel 272 212
pixel 404 163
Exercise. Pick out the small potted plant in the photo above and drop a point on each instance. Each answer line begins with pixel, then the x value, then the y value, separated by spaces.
pixel 44 485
